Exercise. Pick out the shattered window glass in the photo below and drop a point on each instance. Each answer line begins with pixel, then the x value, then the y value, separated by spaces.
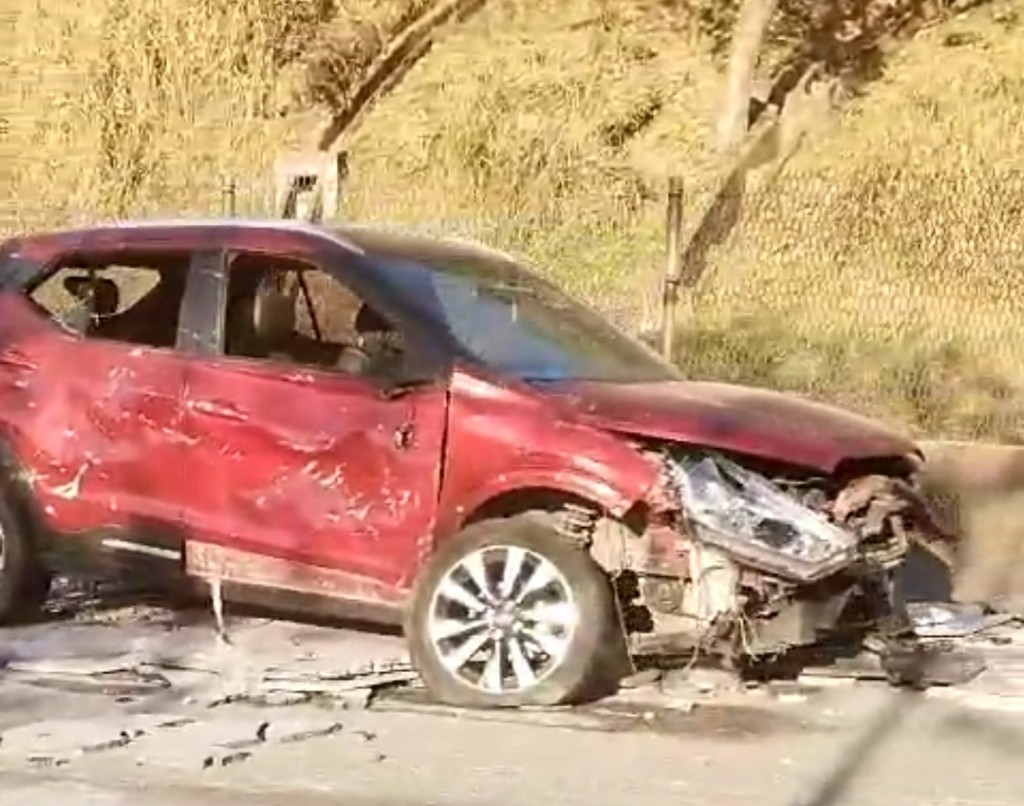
pixel 137 302
pixel 132 282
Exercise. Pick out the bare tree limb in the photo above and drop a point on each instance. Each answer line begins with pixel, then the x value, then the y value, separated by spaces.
pixel 399 57
pixel 772 140
pixel 751 26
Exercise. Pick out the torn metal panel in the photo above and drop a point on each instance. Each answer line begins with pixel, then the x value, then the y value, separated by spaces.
pixel 952 620
pixel 888 512
pixel 756 522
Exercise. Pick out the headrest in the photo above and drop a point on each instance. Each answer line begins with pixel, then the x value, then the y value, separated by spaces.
pixel 273 314
pixel 106 298
pixel 105 295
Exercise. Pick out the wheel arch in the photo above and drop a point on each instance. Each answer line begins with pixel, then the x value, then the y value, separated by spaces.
pixel 532 489
pixel 523 500
pixel 579 519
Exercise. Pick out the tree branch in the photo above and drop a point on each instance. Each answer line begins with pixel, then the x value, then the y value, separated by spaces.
pixel 750 29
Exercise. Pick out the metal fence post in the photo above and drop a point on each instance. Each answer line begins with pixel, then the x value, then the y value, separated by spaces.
pixel 670 291
pixel 229 197
pixel 343 169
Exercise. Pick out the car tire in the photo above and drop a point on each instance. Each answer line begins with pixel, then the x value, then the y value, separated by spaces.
pixel 560 643
pixel 24 583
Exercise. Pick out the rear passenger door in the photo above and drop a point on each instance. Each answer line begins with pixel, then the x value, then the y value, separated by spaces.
pixel 91 389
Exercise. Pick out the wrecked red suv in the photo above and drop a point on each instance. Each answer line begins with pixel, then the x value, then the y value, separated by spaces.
pixel 424 432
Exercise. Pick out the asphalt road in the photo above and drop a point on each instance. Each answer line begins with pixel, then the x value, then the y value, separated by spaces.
pixel 855 745
pixel 837 745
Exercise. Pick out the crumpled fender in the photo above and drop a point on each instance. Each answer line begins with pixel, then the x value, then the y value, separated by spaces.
pixel 505 439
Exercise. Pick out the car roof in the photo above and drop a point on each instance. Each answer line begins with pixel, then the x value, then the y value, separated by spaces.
pixel 396 240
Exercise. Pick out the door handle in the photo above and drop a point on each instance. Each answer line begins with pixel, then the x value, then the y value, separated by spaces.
pixel 403 436
pixel 220 409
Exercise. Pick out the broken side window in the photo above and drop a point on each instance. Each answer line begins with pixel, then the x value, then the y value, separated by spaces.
pixel 134 299
pixel 293 312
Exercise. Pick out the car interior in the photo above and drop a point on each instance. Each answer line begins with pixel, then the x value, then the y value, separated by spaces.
pixel 263 312
pixel 278 309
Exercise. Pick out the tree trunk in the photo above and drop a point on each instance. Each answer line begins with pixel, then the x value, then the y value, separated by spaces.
pixel 751 25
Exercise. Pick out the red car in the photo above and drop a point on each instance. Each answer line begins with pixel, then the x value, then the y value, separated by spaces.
pixel 423 432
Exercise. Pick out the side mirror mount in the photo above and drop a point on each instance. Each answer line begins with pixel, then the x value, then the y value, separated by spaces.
pixel 404 376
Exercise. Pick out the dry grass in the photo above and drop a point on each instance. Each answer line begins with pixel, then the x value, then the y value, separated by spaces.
pixel 882 269
pixel 132 107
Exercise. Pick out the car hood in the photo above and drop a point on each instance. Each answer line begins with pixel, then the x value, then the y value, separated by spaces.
pixel 757 422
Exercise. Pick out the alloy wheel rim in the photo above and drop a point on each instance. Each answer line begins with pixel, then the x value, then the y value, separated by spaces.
pixel 502 619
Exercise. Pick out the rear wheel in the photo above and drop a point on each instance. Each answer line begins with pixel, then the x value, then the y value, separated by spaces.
pixel 24 583
pixel 511 613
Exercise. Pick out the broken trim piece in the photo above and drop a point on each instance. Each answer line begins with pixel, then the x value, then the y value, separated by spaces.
pixel 142 548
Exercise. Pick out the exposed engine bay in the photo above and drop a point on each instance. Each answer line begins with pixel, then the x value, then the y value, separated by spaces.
pixel 748 565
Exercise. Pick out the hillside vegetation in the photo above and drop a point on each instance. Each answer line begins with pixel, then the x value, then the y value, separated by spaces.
pixel 880 267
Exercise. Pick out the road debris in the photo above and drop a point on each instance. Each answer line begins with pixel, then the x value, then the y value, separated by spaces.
pixel 642 679
pixel 926 665
pixel 61 740
pixel 1001 687
pixel 270 662
pixel 952 620
pixel 699 680
pixel 270 685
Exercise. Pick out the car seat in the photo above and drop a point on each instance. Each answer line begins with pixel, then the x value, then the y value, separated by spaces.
pixel 260 322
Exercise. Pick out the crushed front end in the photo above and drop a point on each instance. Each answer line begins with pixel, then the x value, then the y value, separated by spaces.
pixel 747 562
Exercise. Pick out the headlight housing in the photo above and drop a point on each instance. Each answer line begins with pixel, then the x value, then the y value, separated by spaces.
pixel 757 523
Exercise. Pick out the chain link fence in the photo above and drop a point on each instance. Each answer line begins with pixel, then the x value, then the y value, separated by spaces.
pixel 897 294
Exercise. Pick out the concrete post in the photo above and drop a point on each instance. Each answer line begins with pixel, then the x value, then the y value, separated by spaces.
pixel 307 185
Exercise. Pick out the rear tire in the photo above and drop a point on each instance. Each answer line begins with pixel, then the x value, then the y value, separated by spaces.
pixel 535 644
pixel 24 583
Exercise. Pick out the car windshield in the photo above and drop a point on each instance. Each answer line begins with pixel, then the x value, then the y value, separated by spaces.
pixel 514 322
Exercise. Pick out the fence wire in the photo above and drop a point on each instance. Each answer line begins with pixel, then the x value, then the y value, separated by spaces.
pixel 895 293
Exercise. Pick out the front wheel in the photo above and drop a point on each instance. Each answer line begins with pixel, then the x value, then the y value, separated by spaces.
pixel 510 613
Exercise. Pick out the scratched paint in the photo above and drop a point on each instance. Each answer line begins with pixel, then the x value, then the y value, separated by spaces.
pixel 504 438
pixel 315 474
pixel 88 421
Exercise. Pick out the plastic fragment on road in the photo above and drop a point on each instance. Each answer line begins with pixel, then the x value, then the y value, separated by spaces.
pixel 952 619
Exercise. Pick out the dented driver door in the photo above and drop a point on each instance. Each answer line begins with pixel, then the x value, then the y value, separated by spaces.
pixel 312 467
pixel 305 478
